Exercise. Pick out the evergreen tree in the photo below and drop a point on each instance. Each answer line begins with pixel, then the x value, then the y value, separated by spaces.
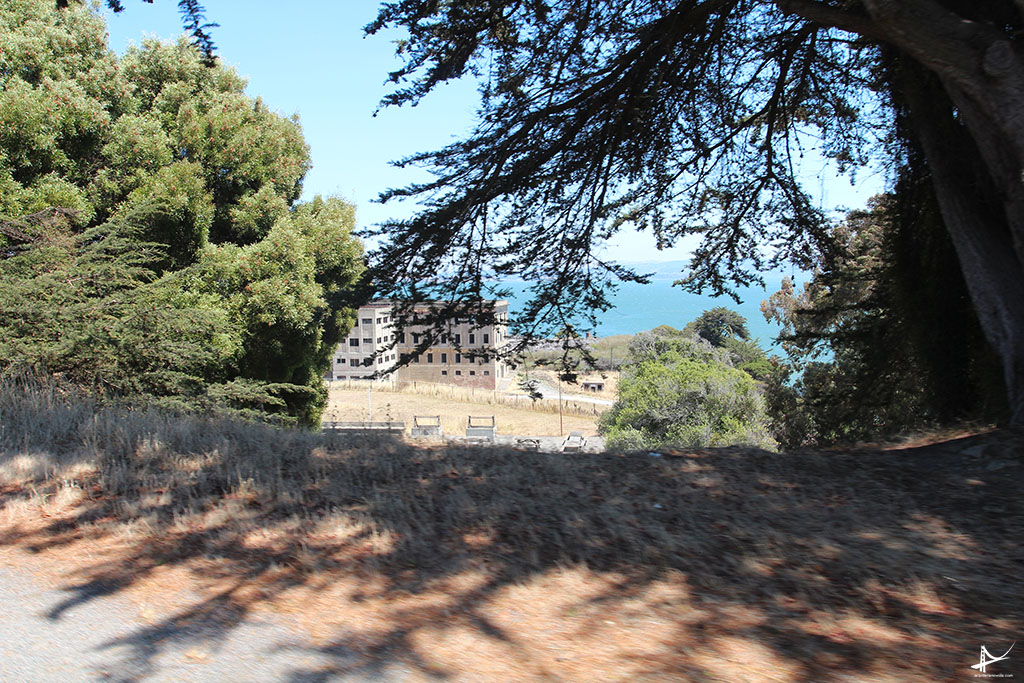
pixel 677 391
pixel 180 268
pixel 718 325
pixel 690 117
pixel 880 348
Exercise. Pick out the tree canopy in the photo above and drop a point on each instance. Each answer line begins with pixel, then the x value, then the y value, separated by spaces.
pixel 678 391
pixel 717 325
pixel 691 117
pixel 876 347
pixel 193 16
pixel 180 267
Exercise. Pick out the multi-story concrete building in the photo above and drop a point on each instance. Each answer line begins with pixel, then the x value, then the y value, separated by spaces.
pixel 354 358
pixel 463 355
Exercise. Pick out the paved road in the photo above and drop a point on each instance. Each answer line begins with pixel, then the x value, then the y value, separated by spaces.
pixel 67 635
pixel 546 444
pixel 550 392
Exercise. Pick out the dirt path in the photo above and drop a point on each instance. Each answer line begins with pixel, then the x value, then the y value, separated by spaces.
pixel 549 392
pixel 52 630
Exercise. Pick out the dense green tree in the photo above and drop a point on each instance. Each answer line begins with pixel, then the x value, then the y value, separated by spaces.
pixel 690 117
pixel 878 348
pixel 748 356
pixel 90 308
pixel 193 16
pixel 718 325
pixel 677 391
pixel 170 176
pixel 726 329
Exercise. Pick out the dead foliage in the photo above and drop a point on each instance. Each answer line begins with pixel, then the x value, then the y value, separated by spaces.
pixel 487 563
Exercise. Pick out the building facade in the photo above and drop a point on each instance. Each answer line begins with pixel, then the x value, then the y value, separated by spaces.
pixel 463 355
pixel 356 356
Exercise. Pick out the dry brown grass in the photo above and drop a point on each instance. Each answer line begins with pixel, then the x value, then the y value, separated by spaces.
pixel 347 403
pixel 489 564
pixel 488 397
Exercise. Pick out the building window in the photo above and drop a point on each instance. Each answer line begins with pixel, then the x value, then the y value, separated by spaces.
pixel 430 358
pixel 415 337
pixel 401 338
pixel 367 321
pixel 378 340
pixel 368 340
pixel 353 342
pixel 458 358
pixel 416 358
pixel 471 358
pixel 444 357
pixel 487 372
pixel 458 372
pixel 380 320
pixel 458 339
pixel 339 361
pixel 444 338
pixel 472 372
pixel 487 338
pixel 444 373
pixel 472 338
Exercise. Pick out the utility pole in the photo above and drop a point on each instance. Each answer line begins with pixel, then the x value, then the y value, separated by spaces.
pixel 561 431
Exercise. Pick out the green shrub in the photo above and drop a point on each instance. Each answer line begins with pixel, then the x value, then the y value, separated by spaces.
pixel 684 392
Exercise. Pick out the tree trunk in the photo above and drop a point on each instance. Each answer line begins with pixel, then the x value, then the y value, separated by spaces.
pixel 965 98
pixel 988 260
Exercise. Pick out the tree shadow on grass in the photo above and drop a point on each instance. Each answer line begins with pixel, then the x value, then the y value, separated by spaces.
pixel 720 564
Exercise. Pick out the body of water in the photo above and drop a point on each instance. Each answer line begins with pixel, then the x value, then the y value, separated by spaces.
pixel 638 308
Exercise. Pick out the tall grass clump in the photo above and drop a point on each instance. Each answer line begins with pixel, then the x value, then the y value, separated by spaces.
pixel 131 447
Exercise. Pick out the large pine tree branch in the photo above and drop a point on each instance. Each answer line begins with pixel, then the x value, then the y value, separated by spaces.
pixel 983 74
pixel 835 17
pixel 948 44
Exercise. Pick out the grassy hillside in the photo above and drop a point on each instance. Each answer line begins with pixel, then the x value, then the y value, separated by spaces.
pixel 491 564
pixel 348 401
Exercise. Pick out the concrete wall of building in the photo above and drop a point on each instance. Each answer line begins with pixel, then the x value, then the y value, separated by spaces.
pixel 445 366
pixel 354 356
pixel 462 356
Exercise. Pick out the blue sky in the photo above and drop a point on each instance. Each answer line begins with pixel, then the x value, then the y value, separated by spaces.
pixel 311 59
